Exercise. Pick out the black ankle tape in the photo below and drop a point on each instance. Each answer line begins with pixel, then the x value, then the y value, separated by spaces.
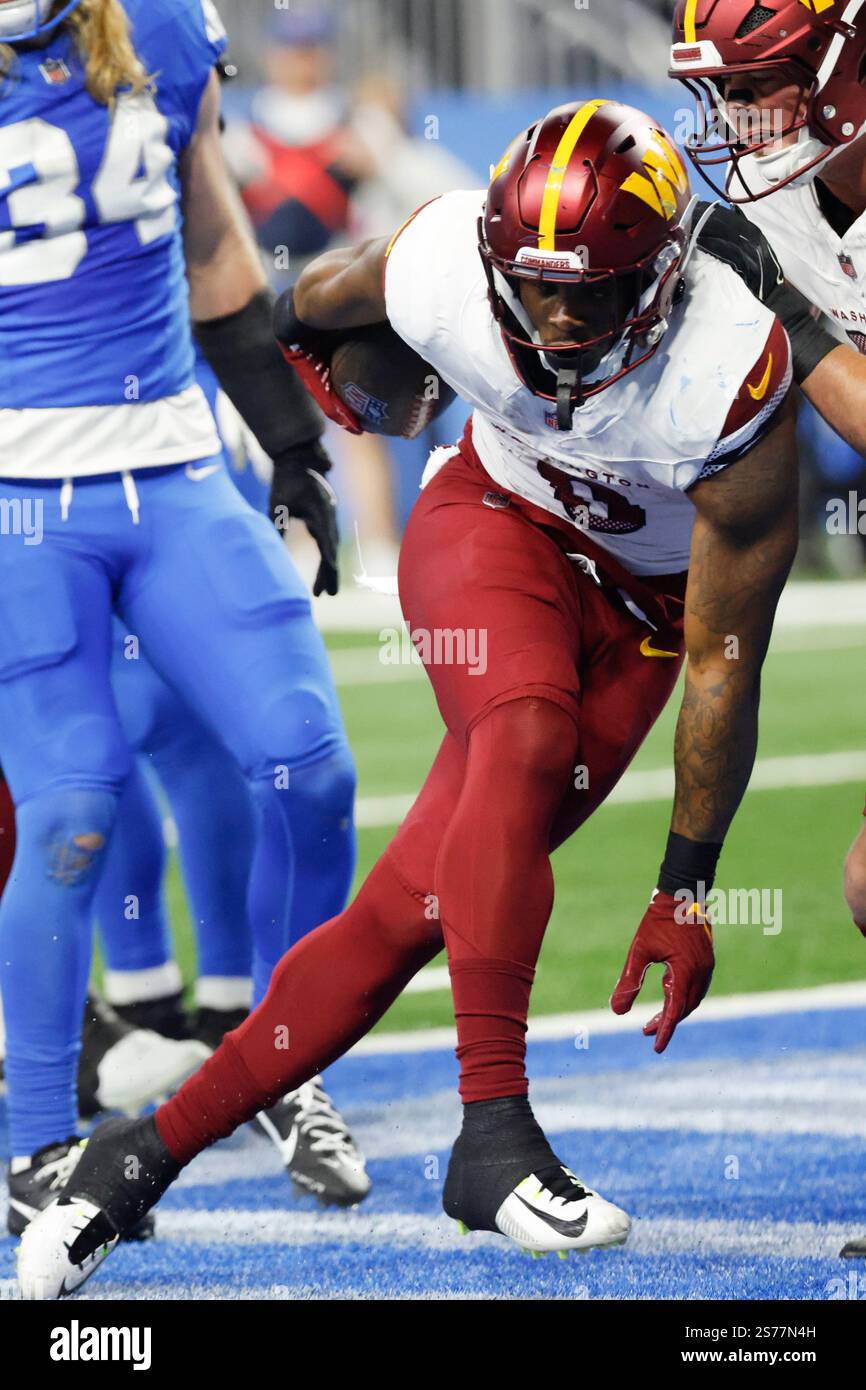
pixel 688 865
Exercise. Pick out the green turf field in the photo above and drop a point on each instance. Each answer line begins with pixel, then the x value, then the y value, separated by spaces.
pixel 792 839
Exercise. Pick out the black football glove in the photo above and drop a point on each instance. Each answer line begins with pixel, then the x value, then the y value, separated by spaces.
pixel 731 237
pixel 301 490
pixel 728 235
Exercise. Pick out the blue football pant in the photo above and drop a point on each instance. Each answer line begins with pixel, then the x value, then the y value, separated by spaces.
pixel 212 809
pixel 206 586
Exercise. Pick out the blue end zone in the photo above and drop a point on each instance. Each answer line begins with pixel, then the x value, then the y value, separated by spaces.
pixel 741 1155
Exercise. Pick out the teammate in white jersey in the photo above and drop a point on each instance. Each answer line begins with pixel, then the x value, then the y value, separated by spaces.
pixel 781 89
pixel 626 488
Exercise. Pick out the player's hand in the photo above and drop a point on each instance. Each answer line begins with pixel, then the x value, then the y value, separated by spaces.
pixel 731 237
pixel 300 490
pixel 309 351
pixel 685 948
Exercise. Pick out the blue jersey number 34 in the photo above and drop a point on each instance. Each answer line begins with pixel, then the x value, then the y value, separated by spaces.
pixel 39 179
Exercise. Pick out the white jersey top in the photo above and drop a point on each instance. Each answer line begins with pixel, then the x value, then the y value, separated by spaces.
pixel 717 379
pixel 828 269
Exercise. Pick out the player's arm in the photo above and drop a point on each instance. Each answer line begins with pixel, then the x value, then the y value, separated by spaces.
pixel 337 293
pixel 836 387
pixel 231 308
pixel 344 288
pixel 831 374
pixel 343 291
pixel 743 546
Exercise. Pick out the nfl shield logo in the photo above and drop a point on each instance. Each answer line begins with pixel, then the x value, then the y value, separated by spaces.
pixel 847 265
pixel 55 72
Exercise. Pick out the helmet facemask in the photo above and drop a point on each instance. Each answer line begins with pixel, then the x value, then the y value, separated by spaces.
pixel 22 21
pixel 627 318
pixel 762 140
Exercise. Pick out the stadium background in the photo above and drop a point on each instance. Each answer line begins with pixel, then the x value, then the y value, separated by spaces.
pixel 740 1153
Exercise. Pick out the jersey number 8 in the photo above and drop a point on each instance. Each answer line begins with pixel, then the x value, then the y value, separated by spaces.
pixel 39 175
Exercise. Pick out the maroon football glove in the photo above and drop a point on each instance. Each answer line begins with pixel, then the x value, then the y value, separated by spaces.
pixel 685 948
pixel 309 351
pixel 316 376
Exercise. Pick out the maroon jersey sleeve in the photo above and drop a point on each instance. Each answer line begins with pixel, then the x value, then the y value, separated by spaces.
pixel 764 389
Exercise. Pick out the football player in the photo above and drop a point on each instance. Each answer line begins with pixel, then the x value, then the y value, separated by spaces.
pixel 109 126
pixel 780 89
pixel 209 803
pixel 625 491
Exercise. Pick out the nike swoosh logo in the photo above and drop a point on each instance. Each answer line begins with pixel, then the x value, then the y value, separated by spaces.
pixel 563 1228
pixel 758 392
pixel 197 475
pixel 647 649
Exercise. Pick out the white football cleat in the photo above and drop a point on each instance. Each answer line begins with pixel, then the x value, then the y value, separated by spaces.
pixel 127 1068
pixel 504 1176
pixel 144 1068
pixel 571 1217
pixel 57 1252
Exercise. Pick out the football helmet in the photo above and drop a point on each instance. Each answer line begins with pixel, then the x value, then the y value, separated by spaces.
pixel 815 46
pixel 593 196
pixel 21 20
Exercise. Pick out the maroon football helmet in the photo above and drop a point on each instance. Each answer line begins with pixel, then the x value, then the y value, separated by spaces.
pixel 816 47
pixel 594 195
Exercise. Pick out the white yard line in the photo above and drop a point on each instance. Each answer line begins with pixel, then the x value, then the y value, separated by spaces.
pixel 657 784
pixel 661 1236
pixel 551 1027
pixel 805 603
pixel 367 664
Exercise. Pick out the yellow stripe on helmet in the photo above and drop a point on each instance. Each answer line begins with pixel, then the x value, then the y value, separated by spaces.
pixel 691 33
pixel 553 187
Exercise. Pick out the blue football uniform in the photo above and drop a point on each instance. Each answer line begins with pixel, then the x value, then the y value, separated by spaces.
pixel 114 499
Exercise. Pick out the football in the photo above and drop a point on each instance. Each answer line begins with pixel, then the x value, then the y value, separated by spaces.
pixel 390 388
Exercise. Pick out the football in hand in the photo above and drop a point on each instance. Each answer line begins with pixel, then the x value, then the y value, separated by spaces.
pixel 390 388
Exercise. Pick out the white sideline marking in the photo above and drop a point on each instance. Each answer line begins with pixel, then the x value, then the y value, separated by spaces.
pixel 804 603
pixel 657 784
pixel 552 1027
pixel 650 1236
pixel 361 665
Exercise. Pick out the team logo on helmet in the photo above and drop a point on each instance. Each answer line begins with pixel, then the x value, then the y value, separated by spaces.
pixel 665 178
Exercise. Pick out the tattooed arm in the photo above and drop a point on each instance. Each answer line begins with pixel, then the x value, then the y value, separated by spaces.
pixel 743 546
pixel 744 542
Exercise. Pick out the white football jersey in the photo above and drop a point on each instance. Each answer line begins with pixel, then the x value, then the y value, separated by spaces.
pixel 828 269
pixel 720 374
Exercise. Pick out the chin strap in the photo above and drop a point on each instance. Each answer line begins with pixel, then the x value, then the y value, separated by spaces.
pixel 566 381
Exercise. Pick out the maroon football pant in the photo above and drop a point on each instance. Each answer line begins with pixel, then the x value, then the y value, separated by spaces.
pixel 546 693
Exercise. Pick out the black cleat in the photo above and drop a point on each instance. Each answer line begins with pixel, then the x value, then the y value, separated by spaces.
pixel 35 1188
pixel 211 1025
pixel 126 1068
pixel 122 1172
pixel 165 1015
pixel 503 1176
pixel 854 1250
pixel 316 1146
